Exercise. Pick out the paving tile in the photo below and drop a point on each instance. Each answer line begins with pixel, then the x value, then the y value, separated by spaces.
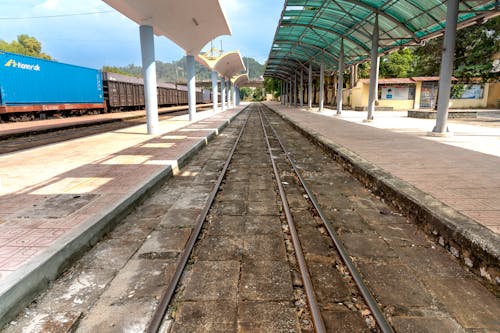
pixel 425 325
pixel 212 281
pixel 265 281
pixel 344 321
pixel 273 317
pixel 206 316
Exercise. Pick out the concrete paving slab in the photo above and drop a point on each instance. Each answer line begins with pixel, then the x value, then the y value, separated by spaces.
pixel 212 281
pixel 207 316
pixel 276 317
pixel 263 280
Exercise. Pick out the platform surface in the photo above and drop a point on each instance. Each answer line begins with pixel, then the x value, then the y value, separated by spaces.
pixel 50 194
pixel 461 170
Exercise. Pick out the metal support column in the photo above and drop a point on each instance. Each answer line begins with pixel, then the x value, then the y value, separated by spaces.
pixel 374 58
pixel 281 93
pixel 321 86
pixel 191 86
pixel 446 67
pixel 301 89
pixel 215 95
pixel 295 90
pixel 149 74
pixel 309 87
pixel 340 83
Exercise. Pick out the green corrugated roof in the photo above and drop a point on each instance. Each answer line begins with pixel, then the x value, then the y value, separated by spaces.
pixel 310 31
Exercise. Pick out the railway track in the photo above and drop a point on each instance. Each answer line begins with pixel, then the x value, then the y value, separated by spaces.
pixel 9 144
pixel 315 286
pixel 213 250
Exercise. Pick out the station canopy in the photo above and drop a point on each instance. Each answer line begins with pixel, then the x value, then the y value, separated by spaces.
pixel 230 64
pixel 191 24
pixel 238 80
pixel 310 31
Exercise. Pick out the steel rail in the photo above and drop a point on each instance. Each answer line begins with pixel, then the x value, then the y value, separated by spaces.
pixel 318 322
pixel 365 292
pixel 159 314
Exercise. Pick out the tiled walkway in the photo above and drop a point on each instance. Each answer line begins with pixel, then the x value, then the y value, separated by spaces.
pixel 463 178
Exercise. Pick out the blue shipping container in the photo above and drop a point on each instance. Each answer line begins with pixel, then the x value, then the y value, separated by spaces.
pixel 26 80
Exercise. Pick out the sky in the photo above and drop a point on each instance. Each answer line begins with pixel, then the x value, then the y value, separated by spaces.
pixel 109 38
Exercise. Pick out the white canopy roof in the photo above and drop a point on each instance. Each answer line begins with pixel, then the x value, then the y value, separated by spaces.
pixel 230 64
pixel 191 24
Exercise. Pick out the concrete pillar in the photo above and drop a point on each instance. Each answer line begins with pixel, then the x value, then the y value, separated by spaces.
pixel 446 67
pixel 228 89
pixel 223 93
pixel 341 77
pixel 149 74
pixel 234 96
pixel 375 59
pixel 309 87
pixel 301 89
pixel 321 87
pixel 418 94
pixel 215 97
pixel 191 86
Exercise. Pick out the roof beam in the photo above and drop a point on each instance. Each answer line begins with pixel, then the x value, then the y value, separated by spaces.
pixel 350 38
pixel 386 16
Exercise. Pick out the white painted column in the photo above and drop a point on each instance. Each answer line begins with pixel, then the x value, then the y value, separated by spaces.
pixel 223 92
pixel 191 86
pixel 321 86
pixel 234 96
pixel 309 87
pixel 446 70
pixel 228 88
pixel 215 97
pixel 374 65
pixel 341 77
pixel 149 74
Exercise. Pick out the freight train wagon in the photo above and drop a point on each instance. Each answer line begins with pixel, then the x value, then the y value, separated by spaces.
pixel 30 86
pixel 122 92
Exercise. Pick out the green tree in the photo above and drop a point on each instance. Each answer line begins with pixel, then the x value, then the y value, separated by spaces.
pixel 396 64
pixel 113 69
pixel 272 86
pixel 475 47
pixel 26 45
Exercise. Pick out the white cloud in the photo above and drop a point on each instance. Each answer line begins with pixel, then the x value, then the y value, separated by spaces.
pixel 70 6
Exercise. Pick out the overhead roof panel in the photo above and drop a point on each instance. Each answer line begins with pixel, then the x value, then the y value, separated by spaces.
pixel 318 26
pixel 191 24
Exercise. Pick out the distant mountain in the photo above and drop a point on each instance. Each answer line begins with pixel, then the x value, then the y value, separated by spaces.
pixel 176 70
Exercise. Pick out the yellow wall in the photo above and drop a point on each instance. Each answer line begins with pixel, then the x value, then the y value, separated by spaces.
pixel 403 104
pixel 494 95
pixel 471 103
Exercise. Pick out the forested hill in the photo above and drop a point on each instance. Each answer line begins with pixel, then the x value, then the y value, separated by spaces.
pixel 176 70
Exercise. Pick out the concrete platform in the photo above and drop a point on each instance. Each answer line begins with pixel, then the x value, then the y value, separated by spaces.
pixel 16 129
pixel 57 200
pixel 451 185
